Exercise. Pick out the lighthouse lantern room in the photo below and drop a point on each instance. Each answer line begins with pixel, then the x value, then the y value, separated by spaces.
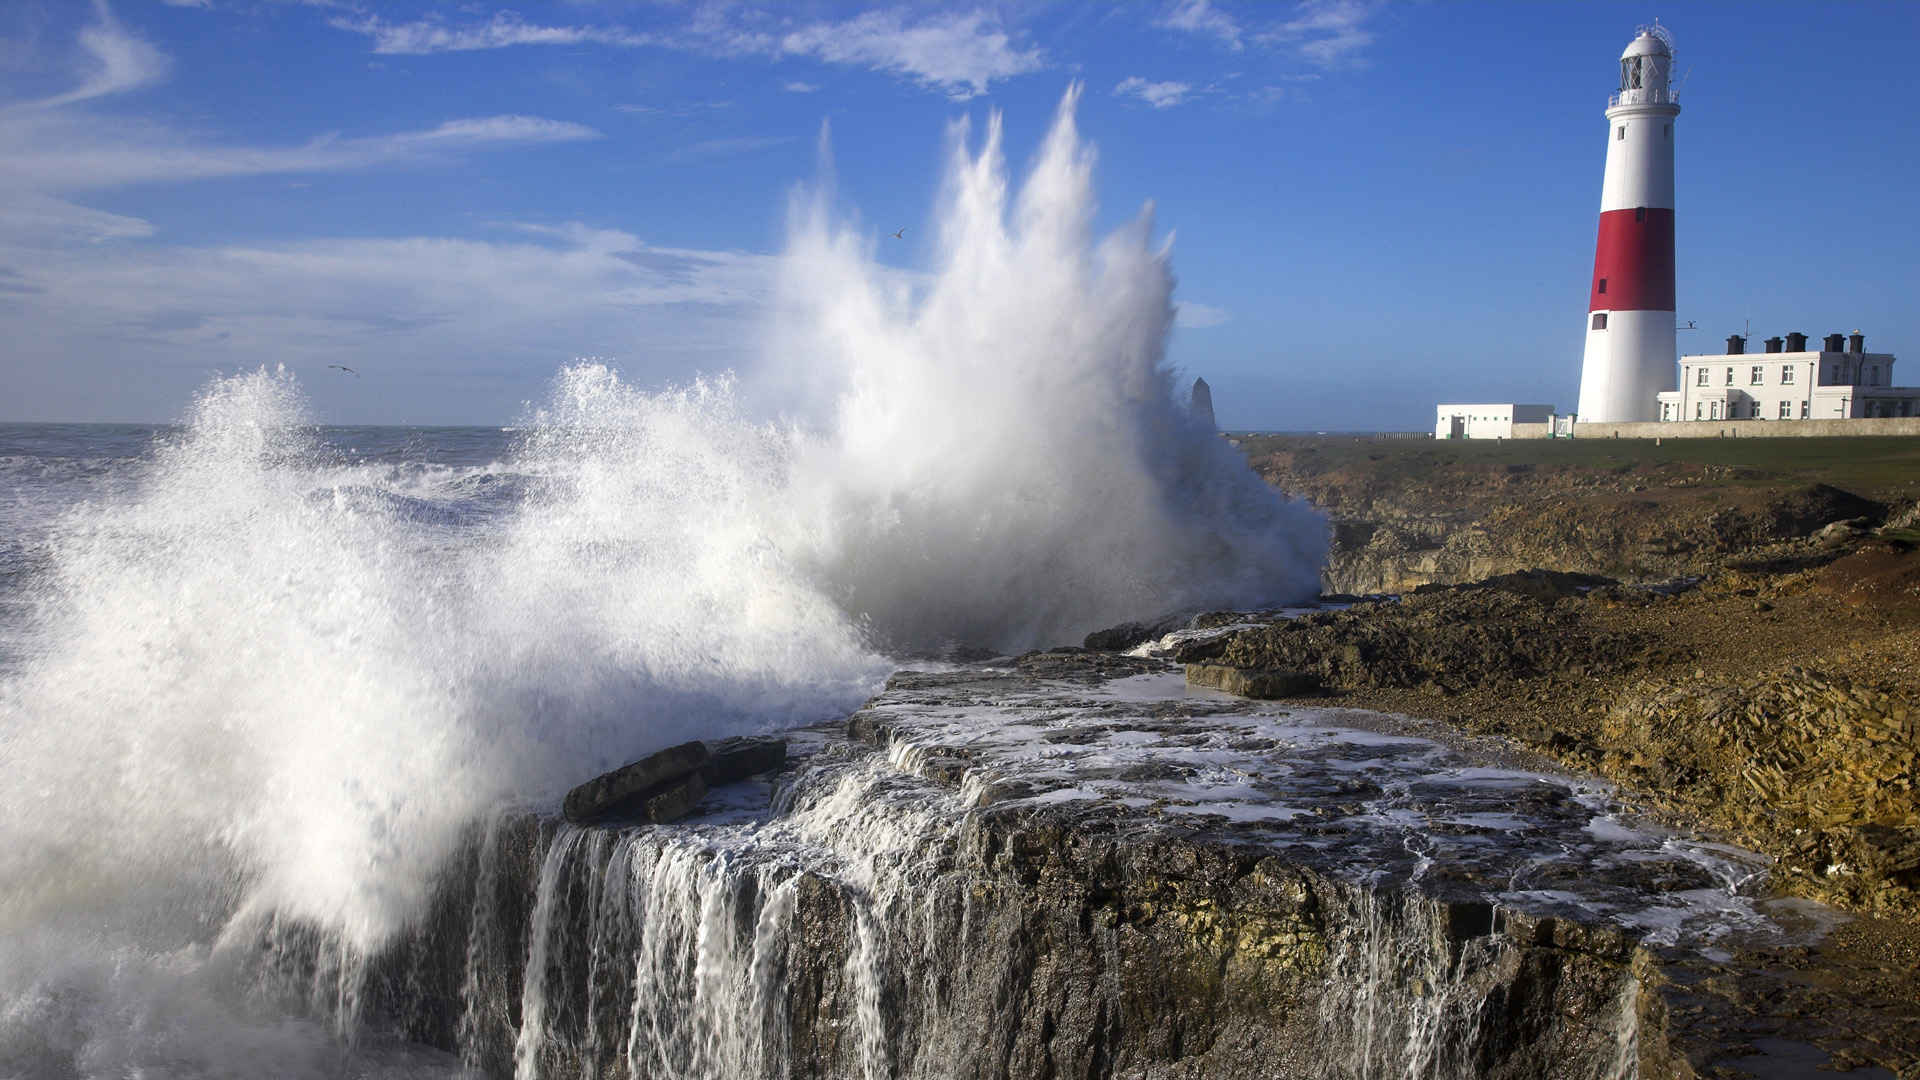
pixel 1630 349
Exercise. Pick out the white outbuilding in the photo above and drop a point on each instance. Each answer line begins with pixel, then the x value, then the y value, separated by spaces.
pixel 1504 421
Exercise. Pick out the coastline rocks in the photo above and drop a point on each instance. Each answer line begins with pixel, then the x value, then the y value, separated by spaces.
pixel 1264 685
pixel 667 785
pixel 1441 639
pixel 1129 634
pixel 736 759
pixel 1808 765
pixel 630 786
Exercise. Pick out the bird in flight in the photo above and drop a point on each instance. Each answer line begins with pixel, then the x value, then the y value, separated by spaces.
pixel 901 235
pixel 346 369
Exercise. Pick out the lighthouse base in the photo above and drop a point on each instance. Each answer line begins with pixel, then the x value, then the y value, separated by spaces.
pixel 1628 361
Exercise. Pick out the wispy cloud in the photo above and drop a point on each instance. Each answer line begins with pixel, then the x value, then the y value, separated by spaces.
pixel 62 153
pixel 116 61
pixel 1201 17
pixel 959 54
pixel 505 29
pixel 401 306
pixel 719 148
pixel 54 149
pixel 1325 33
pixel 1330 33
pixel 1160 95
pixel 800 88
pixel 683 109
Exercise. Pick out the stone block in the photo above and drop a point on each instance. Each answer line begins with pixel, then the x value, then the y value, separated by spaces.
pixel 624 789
pixel 733 760
pixel 676 800
pixel 1252 683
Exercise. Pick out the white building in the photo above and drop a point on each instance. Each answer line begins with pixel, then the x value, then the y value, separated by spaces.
pixel 1789 382
pixel 1493 422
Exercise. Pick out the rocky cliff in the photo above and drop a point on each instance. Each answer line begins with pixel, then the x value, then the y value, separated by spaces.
pixel 1413 512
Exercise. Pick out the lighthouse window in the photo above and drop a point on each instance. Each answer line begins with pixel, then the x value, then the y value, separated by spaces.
pixel 1639 213
pixel 1620 132
pixel 1669 131
pixel 1603 286
pixel 1599 320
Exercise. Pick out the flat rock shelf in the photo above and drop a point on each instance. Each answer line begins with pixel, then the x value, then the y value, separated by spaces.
pixel 1073 864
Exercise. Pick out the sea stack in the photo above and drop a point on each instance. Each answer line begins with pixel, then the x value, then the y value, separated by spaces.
pixel 1202 403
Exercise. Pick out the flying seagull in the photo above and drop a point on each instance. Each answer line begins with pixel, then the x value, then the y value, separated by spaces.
pixel 346 369
pixel 901 234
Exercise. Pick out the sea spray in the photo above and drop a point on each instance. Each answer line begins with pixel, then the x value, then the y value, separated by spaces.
pixel 1006 462
pixel 270 682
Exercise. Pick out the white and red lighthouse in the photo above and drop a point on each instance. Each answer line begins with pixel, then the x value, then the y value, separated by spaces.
pixel 1630 352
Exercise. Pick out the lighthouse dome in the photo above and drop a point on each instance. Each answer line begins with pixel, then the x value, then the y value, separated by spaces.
pixel 1646 45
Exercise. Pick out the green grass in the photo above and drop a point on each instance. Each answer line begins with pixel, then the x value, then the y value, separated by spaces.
pixel 1880 467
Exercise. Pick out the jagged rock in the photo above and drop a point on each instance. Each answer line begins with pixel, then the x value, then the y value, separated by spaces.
pixel 628 787
pixel 1128 634
pixel 1253 683
pixel 736 759
pixel 676 800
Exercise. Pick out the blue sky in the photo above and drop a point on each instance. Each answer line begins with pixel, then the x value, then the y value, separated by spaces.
pixel 1375 207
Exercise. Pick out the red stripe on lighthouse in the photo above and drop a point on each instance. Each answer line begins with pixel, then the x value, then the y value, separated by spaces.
pixel 1633 261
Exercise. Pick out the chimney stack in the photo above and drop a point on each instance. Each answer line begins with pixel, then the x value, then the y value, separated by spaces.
pixel 1857 342
pixel 1796 342
pixel 1836 343
pixel 1736 344
pixel 1773 344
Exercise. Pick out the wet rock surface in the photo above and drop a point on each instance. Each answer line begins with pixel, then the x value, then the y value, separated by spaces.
pixel 1071 864
pixel 1776 703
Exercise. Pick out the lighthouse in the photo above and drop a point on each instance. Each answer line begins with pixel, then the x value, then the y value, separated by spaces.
pixel 1630 351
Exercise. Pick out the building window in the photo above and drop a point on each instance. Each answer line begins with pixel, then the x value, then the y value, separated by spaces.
pixel 1786 375
pixel 1620 132
pixel 1757 376
pixel 1713 413
pixel 1603 287
pixel 1786 410
pixel 1599 320
pixel 1873 375
pixel 1803 410
pixel 1701 378
pixel 1698 408
pixel 1729 376
pixel 1834 380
